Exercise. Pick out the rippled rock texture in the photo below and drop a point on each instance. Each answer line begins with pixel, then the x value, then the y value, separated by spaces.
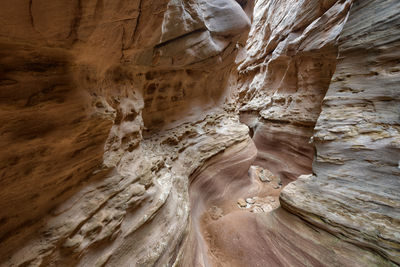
pixel 151 133
pixel 297 53
pixel 290 59
pixel 104 116
pixel 354 191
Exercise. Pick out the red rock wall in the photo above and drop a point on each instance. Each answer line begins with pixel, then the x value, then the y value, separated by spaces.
pixel 124 138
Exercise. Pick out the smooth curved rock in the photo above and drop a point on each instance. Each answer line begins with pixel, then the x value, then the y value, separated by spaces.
pixel 354 192
pixel 150 133
pixel 290 59
pixel 91 175
pixel 263 234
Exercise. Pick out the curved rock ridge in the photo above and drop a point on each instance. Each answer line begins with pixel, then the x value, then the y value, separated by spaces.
pixel 100 99
pixel 237 221
pixel 292 52
pixel 290 59
pixel 355 188
pixel 163 133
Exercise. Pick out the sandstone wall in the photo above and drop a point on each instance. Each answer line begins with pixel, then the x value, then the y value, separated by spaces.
pixel 290 59
pixel 295 52
pixel 90 94
pixel 131 130
pixel 354 191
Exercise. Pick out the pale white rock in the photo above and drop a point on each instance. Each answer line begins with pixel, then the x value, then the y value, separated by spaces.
pixel 250 200
pixel 224 17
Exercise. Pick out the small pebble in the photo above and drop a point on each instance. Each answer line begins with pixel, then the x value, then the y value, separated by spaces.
pixel 264 178
pixel 257 210
pixel 267 208
pixel 242 203
pixel 250 200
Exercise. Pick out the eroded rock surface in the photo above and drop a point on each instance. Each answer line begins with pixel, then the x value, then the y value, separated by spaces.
pixel 290 59
pixel 151 133
pixel 100 101
pixel 355 189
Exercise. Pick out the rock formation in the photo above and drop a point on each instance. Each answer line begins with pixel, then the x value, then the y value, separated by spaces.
pixel 171 132
pixel 354 191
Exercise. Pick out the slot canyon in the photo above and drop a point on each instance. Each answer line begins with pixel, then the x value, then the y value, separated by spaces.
pixel 233 133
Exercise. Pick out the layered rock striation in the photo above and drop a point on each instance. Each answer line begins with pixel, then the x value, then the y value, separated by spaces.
pixel 152 133
pixel 354 191
pixel 290 59
pixel 100 101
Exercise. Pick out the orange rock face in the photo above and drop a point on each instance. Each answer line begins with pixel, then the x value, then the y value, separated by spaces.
pixel 161 133
pixel 91 95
